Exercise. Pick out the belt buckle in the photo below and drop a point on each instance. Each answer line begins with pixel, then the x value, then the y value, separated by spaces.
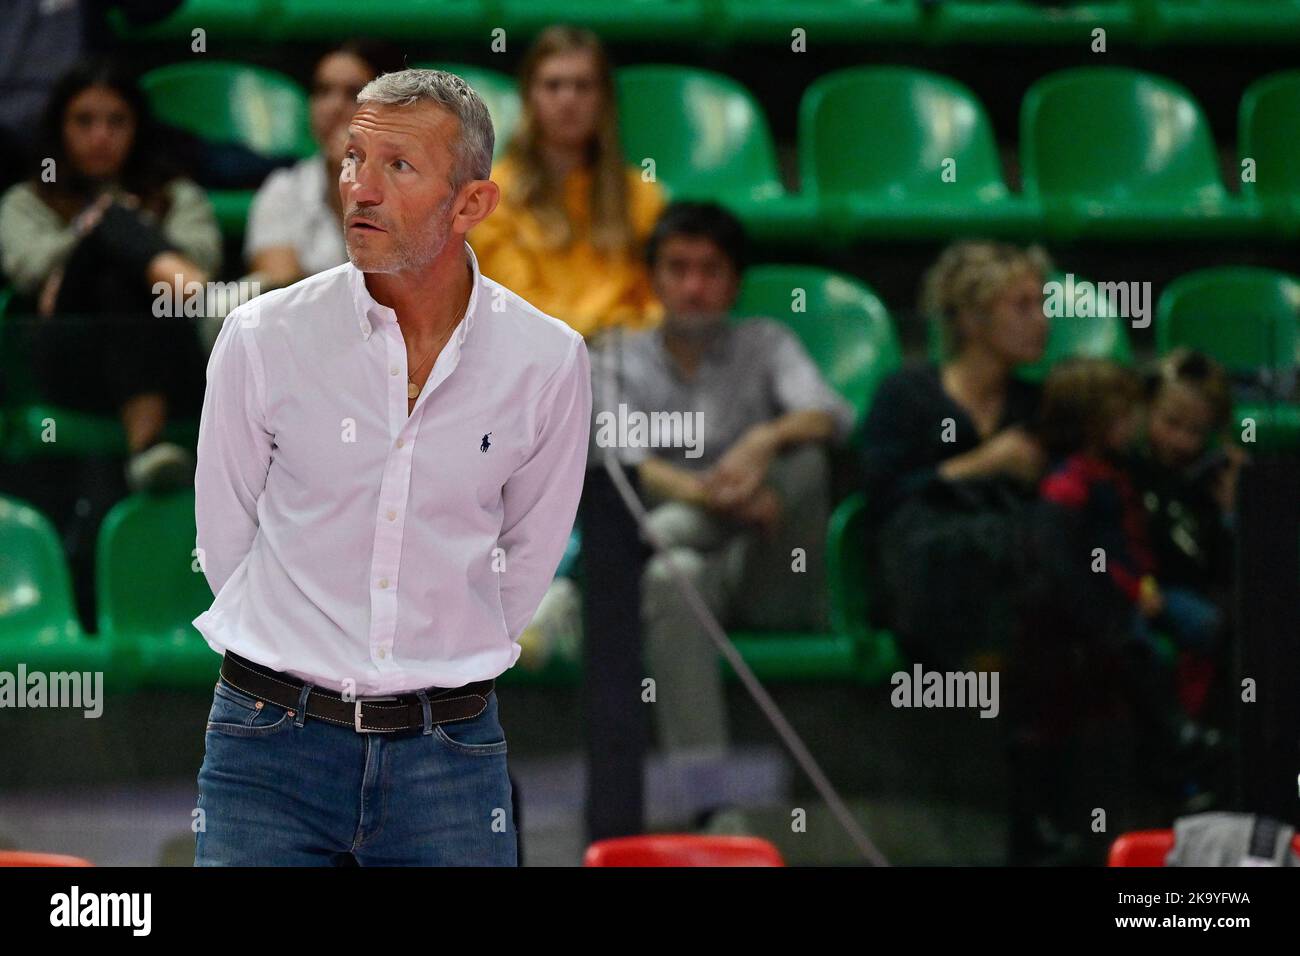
pixel 357 716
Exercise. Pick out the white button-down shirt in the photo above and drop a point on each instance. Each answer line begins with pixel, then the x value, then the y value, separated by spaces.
pixel 357 547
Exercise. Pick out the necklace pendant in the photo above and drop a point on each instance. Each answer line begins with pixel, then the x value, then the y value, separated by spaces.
pixel 412 390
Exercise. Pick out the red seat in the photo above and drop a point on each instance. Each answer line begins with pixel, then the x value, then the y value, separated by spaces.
pixel 670 849
pixel 23 858
pixel 1149 848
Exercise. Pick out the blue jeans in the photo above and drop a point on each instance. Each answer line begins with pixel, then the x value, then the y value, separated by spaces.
pixel 1192 621
pixel 281 790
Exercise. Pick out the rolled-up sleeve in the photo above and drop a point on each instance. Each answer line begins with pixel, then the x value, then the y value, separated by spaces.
pixel 541 497
pixel 799 384
pixel 234 452
pixel 33 240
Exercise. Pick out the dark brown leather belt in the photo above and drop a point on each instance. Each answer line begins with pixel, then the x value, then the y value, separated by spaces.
pixel 365 715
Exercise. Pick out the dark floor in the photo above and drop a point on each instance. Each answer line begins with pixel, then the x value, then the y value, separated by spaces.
pixel 929 787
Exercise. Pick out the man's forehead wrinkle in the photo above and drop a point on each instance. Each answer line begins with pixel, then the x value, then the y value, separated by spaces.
pixel 373 123
pixel 394 122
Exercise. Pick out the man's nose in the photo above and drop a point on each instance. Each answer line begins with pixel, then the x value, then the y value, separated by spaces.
pixel 694 286
pixel 363 189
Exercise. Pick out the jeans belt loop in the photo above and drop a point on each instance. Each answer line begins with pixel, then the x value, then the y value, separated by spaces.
pixel 301 717
pixel 428 712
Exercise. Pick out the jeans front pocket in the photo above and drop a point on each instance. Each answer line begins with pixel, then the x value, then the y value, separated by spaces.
pixel 238 714
pixel 479 736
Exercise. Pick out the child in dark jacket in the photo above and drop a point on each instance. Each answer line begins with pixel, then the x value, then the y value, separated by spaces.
pixel 1188 489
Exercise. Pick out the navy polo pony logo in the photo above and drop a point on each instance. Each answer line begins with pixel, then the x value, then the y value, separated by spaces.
pixel 485 444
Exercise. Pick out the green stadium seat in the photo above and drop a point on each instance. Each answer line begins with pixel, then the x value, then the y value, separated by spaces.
pixel 852 650
pixel 1277 426
pixel 1267 129
pixel 149 590
pixel 1101 336
pixel 846 556
pixel 1068 336
pixel 1117 153
pixel 224 102
pixel 1022 21
pixel 26 417
pixel 219 19
pixel 231 206
pixel 709 139
pixel 874 151
pixel 499 92
pixel 334 20
pixel 1242 315
pixel 635 20
pixel 844 325
pixel 38 620
pixel 1245 317
pixel 76 433
pixel 1224 21
pixel 826 21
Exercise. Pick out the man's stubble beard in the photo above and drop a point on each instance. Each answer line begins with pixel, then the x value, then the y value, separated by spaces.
pixel 410 255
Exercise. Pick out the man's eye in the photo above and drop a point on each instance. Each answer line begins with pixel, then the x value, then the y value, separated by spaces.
pixel 401 164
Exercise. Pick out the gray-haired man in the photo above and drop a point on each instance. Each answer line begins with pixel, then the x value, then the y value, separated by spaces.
pixel 390 458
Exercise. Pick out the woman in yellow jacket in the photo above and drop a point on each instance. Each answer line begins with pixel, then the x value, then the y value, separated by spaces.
pixel 568 233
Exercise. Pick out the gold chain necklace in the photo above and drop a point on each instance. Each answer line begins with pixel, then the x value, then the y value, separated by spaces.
pixel 413 390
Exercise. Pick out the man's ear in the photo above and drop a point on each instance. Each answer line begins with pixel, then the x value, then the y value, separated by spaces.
pixel 478 198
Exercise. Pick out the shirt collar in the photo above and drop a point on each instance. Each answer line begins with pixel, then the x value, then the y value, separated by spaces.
pixel 370 313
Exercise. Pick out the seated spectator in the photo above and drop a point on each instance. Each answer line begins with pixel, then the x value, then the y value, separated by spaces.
pixel 90 240
pixel 567 234
pixel 295 225
pixel 731 500
pixel 950 459
pixel 1186 476
pixel 1092 410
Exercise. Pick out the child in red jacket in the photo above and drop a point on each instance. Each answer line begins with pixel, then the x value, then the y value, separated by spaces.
pixel 1092 414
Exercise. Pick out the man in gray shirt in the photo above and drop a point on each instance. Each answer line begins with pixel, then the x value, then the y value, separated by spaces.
pixel 726 423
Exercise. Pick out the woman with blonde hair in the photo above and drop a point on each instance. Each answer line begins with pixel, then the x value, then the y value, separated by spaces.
pixel 951 460
pixel 568 233
pixel 950 447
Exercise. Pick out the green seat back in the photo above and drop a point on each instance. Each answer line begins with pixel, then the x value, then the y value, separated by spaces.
pixel 707 135
pixel 1073 336
pixel 233 103
pixel 1110 134
pixel 1268 128
pixel 1242 315
pixel 144 568
pixel 406 21
pixel 884 134
pixel 846 565
pixel 844 326
pixel 35 588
